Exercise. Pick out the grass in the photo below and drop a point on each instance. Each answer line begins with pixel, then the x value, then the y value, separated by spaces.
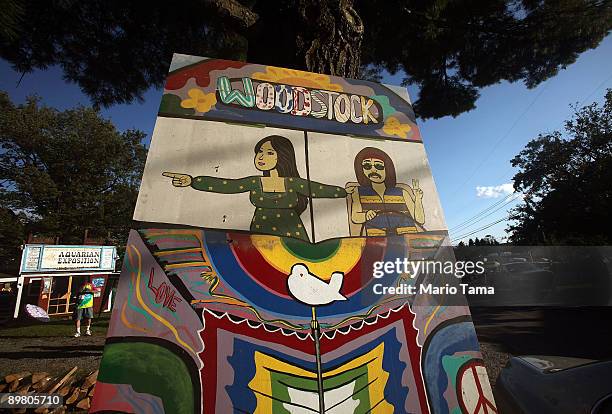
pixel 56 327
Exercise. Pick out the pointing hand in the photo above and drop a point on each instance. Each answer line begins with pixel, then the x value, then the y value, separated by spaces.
pixel 350 188
pixel 178 180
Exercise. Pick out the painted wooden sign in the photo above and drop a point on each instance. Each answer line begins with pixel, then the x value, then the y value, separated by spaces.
pixel 268 196
pixel 41 258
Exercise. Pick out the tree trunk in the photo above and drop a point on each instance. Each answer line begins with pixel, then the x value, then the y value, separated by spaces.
pixel 330 39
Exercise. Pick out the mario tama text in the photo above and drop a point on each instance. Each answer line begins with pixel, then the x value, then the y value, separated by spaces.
pixel 432 289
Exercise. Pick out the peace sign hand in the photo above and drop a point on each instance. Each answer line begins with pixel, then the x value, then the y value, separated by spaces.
pixel 178 180
pixel 418 192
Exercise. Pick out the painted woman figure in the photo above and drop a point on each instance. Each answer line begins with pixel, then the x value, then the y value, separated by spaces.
pixel 280 195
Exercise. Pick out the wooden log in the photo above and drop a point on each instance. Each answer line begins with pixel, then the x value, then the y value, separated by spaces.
pixel 67 387
pixel 76 398
pixel 48 385
pixel 90 380
pixel 83 404
pixel 24 389
pixel 42 410
pixel 73 397
pixel 37 376
pixel 91 392
pixel 13 385
pixel 3 386
pixel 64 379
pixel 41 384
pixel 17 376
pixel 65 390
pixel 58 410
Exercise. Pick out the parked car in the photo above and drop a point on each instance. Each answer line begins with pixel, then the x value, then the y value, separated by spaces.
pixel 554 385
pixel 525 274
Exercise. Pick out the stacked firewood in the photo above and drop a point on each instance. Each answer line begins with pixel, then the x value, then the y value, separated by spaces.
pixel 76 392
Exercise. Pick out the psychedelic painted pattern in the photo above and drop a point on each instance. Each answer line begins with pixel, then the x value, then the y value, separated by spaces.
pixel 230 319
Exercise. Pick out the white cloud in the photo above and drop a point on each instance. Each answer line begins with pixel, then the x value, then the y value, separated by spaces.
pixel 494 191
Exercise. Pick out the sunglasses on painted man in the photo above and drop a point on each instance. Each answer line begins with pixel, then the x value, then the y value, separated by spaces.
pixel 368 166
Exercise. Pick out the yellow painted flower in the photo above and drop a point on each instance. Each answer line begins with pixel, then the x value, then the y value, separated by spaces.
pixel 297 78
pixel 202 102
pixel 394 127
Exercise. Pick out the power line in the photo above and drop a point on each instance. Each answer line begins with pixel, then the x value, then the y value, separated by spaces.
pixel 482 228
pixel 480 212
pixel 463 225
pixel 503 138
pixel 597 88
pixel 513 198
pixel 463 236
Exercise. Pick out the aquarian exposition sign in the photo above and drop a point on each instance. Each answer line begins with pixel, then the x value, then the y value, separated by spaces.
pixel 267 196
pixel 37 258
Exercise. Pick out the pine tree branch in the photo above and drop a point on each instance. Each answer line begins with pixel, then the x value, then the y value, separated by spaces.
pixel 236 12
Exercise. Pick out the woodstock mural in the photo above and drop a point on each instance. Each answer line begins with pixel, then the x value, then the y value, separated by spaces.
pixel 268 195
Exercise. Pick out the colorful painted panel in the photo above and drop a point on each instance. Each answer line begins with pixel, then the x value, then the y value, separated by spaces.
pixel 248 287
pixel 300 184
pixel 241 92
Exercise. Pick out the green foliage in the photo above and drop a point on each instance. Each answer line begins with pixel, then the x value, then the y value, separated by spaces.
pixel 450 49
pixel 487 240
pixel 10 18
pixel 66 171
pixel 12 234
pixel 116 50
pixel 567 183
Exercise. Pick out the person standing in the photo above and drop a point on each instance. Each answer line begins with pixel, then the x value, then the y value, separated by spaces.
pixel 84 309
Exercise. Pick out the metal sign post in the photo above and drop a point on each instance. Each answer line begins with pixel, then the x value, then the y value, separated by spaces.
pixel 19 292
pixel 314 325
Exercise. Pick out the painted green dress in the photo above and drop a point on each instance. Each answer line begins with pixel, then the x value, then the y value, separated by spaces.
pixel 274 212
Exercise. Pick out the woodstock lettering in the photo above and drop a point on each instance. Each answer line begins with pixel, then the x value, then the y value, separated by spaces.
pixel 298 101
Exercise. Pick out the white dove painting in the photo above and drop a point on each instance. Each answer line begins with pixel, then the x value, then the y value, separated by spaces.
pixel 309 289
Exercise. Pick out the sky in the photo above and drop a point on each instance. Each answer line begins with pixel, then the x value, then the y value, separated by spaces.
pixel 469 155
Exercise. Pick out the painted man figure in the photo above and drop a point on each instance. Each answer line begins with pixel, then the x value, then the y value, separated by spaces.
pixel 381 205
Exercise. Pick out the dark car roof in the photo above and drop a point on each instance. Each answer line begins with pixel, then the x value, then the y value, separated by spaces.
pixel 554 363
pixel 553 385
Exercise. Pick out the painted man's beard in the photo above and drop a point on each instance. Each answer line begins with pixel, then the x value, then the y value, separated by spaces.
pixel 374 175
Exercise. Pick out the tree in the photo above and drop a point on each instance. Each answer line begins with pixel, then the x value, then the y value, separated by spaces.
pixel 115 50
pixel 62 172
pixel 489 240
pixel 565 179
pixel 12 235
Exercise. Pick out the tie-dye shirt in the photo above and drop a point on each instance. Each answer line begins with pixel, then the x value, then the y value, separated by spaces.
pixel 85 300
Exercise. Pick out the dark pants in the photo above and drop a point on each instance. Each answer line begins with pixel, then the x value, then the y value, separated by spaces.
pixel 79 314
